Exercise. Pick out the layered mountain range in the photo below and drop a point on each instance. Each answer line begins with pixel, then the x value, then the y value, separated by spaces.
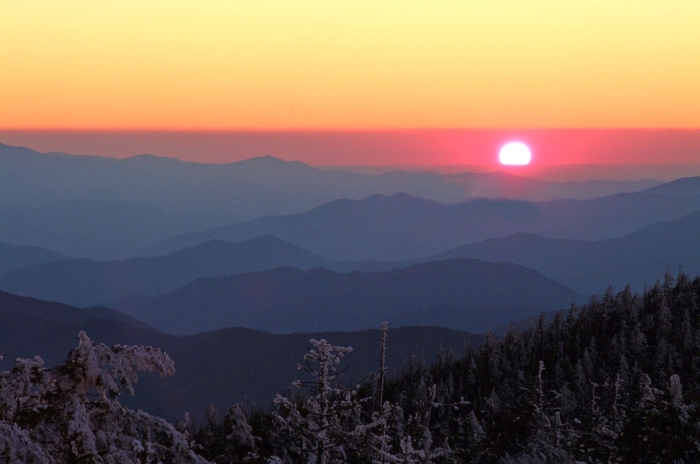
pixel 290 300
pixel 403 227
pixel 95 207
pixel 232 268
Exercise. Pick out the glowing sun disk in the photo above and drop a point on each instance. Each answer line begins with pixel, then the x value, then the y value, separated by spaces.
pixel 515 154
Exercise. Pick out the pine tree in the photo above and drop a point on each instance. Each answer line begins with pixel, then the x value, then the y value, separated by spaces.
pixel 320 425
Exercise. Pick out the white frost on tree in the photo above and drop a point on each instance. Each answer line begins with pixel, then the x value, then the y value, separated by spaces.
pixel 17 447
pixel 239 432
pixel 71 412
pixel 320 424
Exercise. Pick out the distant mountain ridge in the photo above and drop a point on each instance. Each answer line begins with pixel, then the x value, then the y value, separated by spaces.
pixel 50 188
pixel 477 320
pixel 682 186
pixel 254 187
pixel 637 258
pixel 87 282
pixel 13 257
pixel 286 300
pixel 506 185
pixel 100 229
pixel 403 227
pixel 58 313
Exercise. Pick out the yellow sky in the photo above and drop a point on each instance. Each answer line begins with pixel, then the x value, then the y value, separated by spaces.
pixel 349 64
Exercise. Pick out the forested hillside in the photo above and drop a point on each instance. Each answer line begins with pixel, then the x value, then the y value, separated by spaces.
pixel 617 380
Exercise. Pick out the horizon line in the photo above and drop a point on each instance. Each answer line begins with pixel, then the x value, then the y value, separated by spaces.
pixel 337 130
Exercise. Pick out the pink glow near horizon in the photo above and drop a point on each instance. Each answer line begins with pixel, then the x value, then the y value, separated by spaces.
pixel 381 148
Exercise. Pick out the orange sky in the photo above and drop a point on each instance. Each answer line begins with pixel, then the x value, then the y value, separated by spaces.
pixel 272 65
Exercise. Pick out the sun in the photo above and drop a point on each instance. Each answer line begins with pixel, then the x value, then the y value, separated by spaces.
pixel 515 154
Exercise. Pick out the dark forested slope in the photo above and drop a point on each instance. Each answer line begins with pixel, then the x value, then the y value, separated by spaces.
pixel 616 380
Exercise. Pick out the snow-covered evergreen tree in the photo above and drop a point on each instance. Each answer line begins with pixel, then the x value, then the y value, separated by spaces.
pixel 321 425
pixel 71 413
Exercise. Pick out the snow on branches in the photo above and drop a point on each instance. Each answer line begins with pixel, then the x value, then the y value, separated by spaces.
pixel 70 413
pixel 319 426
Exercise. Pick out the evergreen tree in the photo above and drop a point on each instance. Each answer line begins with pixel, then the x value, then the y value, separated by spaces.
pixel 71 413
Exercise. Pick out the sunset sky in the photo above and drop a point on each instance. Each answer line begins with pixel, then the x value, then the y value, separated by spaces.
pixel 339 65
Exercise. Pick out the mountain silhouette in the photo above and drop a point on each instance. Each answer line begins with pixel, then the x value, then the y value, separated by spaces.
pixel 86 282
pixel 254 187
pixel 286 300
pixel 637 258
pixel 84 227
pixel 38 191
pixel 684 186
pixel 478 320
pixel 403 227
pixel 14 257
